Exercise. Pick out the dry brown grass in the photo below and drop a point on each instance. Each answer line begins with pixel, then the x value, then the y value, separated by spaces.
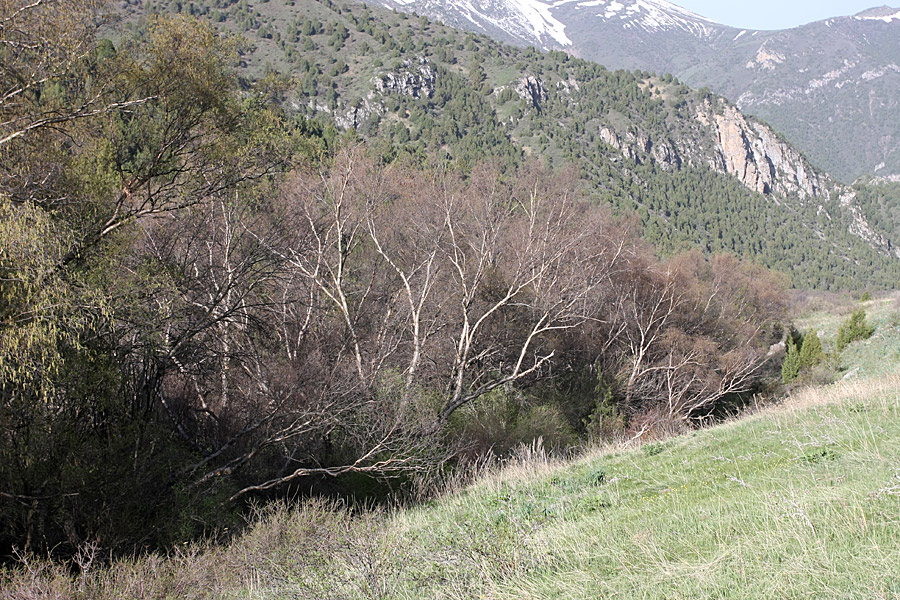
pixel 885 388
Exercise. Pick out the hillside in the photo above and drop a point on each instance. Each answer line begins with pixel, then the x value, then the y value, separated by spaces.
pixel 697 171
pixel 799 500
pixel 829 86
pixel 879 201
pixel 346 254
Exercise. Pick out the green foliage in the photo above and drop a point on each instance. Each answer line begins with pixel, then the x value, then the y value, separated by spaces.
pixel 853 329
pixel 790 368
pixel 501 420
pixel 811 352
pixel 83 429
pixel 605 420
pixel 803 353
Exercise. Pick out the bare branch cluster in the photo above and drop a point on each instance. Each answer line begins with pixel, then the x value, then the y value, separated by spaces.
pixel 340 327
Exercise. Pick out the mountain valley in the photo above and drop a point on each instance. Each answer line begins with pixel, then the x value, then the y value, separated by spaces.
pixel 317 298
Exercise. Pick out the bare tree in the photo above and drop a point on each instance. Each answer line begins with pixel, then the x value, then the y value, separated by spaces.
pixel 694 333
pixel 366 307
pixel 338 326
pixel 647 305
pixel 526 262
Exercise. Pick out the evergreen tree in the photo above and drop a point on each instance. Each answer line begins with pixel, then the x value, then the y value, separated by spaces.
pixel 853 329
pixel 811 352
pixel 790 369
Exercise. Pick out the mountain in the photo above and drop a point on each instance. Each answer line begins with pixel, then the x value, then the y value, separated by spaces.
pixel 830 86
pixel 695 170
pixel 564 24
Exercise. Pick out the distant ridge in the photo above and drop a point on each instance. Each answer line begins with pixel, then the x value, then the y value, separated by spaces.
pixel 880 13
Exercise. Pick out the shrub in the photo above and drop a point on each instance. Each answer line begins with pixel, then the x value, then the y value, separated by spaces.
pixel 823 372
pixel 853 329
pixel 605 421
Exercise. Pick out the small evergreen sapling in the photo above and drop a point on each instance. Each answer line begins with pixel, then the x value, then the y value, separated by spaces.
pixel 811 352
pixel 790 369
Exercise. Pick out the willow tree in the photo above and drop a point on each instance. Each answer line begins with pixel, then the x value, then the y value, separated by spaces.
pixel 96 142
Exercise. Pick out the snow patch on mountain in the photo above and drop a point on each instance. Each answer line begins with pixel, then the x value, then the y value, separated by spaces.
pixel 535 21
pixel 887 18
pixel 527 20
pixel 541 21
pixel 649 15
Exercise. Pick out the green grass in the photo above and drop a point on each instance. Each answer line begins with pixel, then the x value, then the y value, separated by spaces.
pixel 874 357
pixel 799 501
pixel 795 503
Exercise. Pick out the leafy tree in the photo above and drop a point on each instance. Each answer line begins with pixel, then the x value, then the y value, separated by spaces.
pixel 157 130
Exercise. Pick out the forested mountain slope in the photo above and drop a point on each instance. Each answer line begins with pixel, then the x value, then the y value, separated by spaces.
pixel 697 171
pixel 830 86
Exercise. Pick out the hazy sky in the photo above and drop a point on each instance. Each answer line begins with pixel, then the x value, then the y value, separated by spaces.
pixel 776 14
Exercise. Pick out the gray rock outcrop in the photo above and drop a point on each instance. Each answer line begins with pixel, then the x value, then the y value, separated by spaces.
pixel 532 90
pixel 414 78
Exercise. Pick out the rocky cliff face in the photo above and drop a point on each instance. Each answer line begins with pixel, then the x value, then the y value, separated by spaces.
pixel 641 147
pixel 414 78
pixel 753 153
pixel 746 149
pixel 532 90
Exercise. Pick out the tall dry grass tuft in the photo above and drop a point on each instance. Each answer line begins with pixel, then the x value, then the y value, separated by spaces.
pixel 885 389
pixel 36 579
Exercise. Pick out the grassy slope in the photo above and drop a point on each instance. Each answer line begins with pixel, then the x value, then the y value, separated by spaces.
pixel 801 500
pixel 874 357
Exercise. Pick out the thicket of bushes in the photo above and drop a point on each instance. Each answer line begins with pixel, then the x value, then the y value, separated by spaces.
pixel 204 301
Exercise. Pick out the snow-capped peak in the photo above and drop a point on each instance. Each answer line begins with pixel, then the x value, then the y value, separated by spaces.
pixel 525 20
pixel 538 17
pixel 543 22
pixel 614 7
